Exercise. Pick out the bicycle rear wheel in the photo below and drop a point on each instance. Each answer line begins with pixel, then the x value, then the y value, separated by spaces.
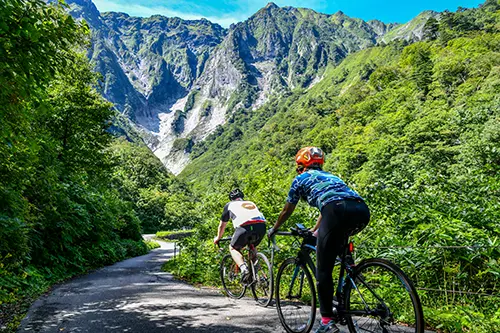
pixel 230 277
pixel 295 297
pixel 262 287
pixel 382 299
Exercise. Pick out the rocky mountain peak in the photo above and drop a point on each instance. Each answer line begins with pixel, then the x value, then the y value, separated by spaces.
pixel 85 9
pixel 271 5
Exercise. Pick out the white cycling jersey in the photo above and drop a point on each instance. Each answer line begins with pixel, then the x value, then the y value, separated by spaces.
pixel 242 212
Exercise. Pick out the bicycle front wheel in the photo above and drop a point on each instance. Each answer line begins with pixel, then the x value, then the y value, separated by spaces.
pixel 262 287
pixel 295 297
pixel 381 298
pixel 231 279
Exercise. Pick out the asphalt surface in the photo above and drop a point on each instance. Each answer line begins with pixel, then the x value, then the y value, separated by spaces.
pixel 136 296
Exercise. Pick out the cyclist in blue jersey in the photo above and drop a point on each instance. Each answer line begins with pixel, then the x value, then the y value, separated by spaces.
pixel 343 213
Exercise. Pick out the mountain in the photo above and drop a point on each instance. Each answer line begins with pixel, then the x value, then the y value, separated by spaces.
pixel 178 80
pixel 413 30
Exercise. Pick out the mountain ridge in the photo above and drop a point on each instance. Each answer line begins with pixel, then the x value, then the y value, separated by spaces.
pixel 177 80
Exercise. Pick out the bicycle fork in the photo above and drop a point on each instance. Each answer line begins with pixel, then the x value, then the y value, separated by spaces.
pixel 292 282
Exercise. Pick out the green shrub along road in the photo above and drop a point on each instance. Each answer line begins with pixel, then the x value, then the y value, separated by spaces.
pixel 416 130
pixel 174 234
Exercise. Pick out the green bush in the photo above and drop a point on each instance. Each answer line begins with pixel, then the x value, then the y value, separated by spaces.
pixel 190 102
pixel 174 234
pixel 183 144
pixel 151 244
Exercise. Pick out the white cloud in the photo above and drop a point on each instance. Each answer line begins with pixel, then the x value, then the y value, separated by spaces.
pixel 143 11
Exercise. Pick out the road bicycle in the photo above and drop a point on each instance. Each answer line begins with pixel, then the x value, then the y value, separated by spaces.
pixel 374 295
pixel 260 280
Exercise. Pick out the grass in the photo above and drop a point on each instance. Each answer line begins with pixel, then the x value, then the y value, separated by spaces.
pixel 174 234
pixel 151 244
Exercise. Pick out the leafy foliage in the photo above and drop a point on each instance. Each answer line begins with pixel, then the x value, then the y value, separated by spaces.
pixel 152 244
pixel 160 201
pixel 191 101
pixel 178 122
pixel 174 234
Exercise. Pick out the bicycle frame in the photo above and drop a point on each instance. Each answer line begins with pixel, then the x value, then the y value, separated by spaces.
pixel 304 258
pixel 347 271
pixel 346 274
pixel 251 255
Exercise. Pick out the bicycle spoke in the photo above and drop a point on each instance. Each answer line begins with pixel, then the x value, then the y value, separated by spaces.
pixel 381 300
pixel 230 276
pixel 263 284
pixel 295 297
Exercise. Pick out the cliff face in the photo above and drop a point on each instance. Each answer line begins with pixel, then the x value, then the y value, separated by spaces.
pixel 177 80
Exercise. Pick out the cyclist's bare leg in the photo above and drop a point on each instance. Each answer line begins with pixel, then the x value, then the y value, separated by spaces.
pixel 237 256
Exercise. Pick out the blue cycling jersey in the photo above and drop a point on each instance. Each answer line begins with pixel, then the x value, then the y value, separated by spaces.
pixel 319 188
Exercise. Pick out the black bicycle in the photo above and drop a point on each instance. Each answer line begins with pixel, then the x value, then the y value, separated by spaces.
pixel 372 296
pixel 261 278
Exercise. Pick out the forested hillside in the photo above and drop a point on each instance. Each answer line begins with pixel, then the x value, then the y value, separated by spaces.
pixel 72 197
pixel 415 129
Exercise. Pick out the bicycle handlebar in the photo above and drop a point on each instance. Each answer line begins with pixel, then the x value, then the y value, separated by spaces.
pixel 284 233
pixel 300 231
pixel 295 232
pixel 225 239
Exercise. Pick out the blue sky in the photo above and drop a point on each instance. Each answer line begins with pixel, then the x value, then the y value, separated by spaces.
pixel 226 12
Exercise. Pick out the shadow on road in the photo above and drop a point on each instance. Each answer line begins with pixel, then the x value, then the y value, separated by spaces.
pixel 136 296
pixel 132 314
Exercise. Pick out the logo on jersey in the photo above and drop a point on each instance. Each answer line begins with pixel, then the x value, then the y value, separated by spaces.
pixel 248 205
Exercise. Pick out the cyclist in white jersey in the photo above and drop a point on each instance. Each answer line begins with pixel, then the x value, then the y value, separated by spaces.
pixel 249 227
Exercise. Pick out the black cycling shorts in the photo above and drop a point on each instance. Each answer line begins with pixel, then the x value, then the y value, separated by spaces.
pixel 248 234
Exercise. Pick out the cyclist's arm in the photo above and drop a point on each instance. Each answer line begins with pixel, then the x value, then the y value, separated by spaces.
pixel 318 223
pixel 291 202
pixel 284 215
pixel 221 229
pixel 223 222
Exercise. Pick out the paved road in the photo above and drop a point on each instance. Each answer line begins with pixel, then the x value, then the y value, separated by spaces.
pixel 136 296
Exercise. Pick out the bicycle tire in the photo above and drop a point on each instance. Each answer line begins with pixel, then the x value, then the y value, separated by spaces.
pixel 305 303
pixel 392 300
pixel 230 277
pixel 264 283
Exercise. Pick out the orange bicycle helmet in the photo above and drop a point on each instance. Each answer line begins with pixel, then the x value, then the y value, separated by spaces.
pixel 310 156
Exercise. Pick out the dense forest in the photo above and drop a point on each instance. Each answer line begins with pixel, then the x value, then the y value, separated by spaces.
pixel 72 196
pixel 415 129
